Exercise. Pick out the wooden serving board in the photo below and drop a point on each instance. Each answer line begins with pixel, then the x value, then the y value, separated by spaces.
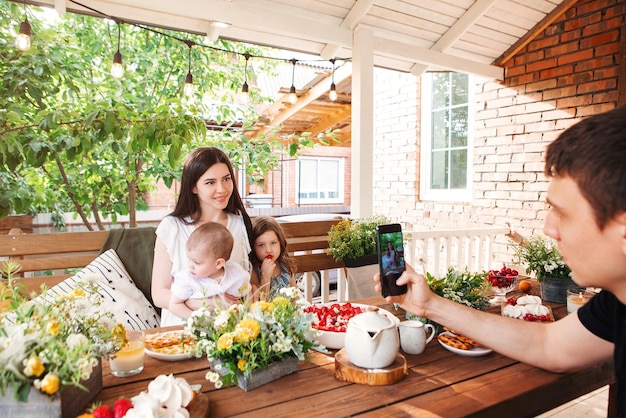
pixel 346 371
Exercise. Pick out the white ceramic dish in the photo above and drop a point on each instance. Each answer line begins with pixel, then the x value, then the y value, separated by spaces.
pixel 336 340
pixel 168 357
pixel 474 352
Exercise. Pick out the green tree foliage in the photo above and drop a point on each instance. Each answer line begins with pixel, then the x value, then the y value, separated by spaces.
pixel 73 138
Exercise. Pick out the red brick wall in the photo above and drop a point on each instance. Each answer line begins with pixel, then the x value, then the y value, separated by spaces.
pixel 567 72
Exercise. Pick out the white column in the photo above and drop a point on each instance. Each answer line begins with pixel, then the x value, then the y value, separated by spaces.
pixel 362 183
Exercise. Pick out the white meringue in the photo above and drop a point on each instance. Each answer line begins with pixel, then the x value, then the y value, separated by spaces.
pixel 529 300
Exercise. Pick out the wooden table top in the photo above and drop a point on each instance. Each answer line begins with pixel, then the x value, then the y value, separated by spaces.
pixel 439 383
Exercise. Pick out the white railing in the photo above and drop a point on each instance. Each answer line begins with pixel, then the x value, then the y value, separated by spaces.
pixel 434 251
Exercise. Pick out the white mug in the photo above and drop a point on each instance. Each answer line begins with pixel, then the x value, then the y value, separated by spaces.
pixel 413 336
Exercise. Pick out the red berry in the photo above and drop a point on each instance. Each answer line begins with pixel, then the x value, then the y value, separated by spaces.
pixel 122 406
pixel 102 411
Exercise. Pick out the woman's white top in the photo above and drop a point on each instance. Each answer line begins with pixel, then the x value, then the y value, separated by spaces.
pixel 174 234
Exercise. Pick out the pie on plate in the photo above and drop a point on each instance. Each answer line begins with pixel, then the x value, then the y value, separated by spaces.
pixel 461 345
pixel 170 345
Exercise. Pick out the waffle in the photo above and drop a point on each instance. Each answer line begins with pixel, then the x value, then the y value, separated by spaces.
pixel 172 342
pixel 460 342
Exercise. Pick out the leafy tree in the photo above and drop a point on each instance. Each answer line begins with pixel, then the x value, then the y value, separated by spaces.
pixel 73 138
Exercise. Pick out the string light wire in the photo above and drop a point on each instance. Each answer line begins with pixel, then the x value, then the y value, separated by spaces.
pixel 191 43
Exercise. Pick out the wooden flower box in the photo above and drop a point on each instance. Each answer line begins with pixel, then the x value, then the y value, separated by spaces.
pixel 70 403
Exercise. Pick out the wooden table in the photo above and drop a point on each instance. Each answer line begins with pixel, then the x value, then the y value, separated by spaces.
pixel 439 383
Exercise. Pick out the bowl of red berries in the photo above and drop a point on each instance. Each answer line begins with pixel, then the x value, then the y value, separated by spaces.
pixel 502 282
pixel 330 321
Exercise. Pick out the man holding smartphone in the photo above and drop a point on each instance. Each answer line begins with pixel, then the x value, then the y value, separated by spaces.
pixel 587 217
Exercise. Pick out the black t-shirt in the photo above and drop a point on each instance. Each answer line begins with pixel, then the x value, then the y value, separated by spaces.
pixel 605 316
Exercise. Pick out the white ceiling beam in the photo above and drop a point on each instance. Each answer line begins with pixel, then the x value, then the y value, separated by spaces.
pixel 438 59
pixel 352 19
pixel 60 6
pixel 456 31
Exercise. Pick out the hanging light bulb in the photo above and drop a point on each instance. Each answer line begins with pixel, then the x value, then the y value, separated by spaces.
pixel 22 41
pixel 188 88
pixel 293 97
pixel 117 69
pixel 244 97
pixel 332 94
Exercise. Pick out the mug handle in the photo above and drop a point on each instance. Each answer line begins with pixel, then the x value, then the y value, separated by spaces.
pixel 432 332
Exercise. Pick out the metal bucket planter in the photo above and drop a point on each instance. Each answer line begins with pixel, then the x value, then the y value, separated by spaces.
pixel 555 290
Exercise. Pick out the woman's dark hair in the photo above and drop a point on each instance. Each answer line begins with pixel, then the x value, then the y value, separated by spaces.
pixel 196 164
pixel 263 224
pixel 593 154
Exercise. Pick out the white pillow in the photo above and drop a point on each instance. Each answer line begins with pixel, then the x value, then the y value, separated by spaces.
pixel 117 290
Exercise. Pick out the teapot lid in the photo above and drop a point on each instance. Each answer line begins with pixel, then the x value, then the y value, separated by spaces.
pixel 371 320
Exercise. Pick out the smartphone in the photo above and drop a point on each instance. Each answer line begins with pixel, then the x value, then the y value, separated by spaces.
pixel 390 258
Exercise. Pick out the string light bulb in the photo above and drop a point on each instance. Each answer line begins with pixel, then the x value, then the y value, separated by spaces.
pixel 293 97
pixel 188 88
pixel 332 94
pixel 22 41
pixel 117 69
pixel 245 97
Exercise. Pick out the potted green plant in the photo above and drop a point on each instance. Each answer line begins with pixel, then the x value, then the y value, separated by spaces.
pixel 542 258
pixel 354 243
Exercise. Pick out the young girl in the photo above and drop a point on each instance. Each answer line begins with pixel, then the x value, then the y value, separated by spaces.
pixel 272 266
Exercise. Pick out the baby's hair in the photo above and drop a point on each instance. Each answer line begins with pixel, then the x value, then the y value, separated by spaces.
pixel 213 238
pixel 263 224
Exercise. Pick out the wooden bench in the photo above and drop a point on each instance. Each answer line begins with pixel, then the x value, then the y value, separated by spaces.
pixel 50 255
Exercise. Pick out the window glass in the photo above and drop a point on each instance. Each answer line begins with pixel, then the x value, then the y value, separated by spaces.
pixel 320 180
pixel 446 137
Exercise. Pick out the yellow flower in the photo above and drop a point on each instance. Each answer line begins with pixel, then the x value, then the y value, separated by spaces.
pixel 50 384
pixel 281 301
pixel 225 341
pixel 247 329
pixel 264 305
pixel 241 364
pixel 53 328
pixel 76 293
pixel 33 366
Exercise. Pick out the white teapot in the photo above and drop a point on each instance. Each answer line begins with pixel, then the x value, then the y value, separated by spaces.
pixel 372 340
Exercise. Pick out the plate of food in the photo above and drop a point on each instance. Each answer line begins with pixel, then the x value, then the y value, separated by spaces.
pixel 527 308
pixel 461 345
pixel 331 319
pixel 170 345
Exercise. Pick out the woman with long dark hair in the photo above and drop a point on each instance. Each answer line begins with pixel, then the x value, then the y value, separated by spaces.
pixel 208 193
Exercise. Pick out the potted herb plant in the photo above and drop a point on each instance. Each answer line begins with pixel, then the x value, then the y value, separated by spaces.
pixel 542 258
pixel 354 243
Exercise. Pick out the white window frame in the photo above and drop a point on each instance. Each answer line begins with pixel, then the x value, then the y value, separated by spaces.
pixel 448 195
pixel 340 176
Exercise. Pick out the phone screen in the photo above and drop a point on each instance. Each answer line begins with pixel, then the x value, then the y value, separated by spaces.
pixel 390 258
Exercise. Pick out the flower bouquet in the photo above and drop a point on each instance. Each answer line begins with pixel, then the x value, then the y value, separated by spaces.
pixel 49 343
pixel 542 258
pixel 249 337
